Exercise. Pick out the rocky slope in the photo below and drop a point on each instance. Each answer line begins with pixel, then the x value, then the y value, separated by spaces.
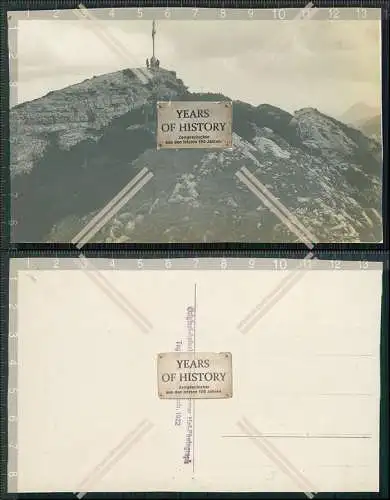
pixel 74 149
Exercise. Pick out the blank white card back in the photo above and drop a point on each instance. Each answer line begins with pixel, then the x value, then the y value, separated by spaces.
pixel 304 412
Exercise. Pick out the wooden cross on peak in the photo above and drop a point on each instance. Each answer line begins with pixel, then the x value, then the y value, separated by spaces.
pixel 154 62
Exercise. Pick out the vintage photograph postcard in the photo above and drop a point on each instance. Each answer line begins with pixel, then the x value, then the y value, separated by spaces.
pixel 196 125
pixel 124 378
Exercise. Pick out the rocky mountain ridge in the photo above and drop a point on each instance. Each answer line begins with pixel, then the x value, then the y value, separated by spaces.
pixel 74 149
pixel 79 112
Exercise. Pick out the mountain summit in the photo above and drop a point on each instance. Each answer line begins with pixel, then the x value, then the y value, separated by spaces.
pixel 74 149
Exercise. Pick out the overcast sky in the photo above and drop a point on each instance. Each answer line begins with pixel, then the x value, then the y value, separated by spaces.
pixel 291 64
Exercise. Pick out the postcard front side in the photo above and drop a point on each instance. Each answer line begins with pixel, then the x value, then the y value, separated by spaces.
pixel 189 375
pixel 194 124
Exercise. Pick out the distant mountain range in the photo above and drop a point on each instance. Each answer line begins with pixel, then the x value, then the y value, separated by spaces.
pixel 365 118
pixel 74 149
pixel 359 112
pixel 371 127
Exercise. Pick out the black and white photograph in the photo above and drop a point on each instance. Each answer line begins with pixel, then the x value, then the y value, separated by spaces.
pixel 304 163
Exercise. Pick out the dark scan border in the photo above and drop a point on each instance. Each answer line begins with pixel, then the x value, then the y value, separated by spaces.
pixel 371 252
